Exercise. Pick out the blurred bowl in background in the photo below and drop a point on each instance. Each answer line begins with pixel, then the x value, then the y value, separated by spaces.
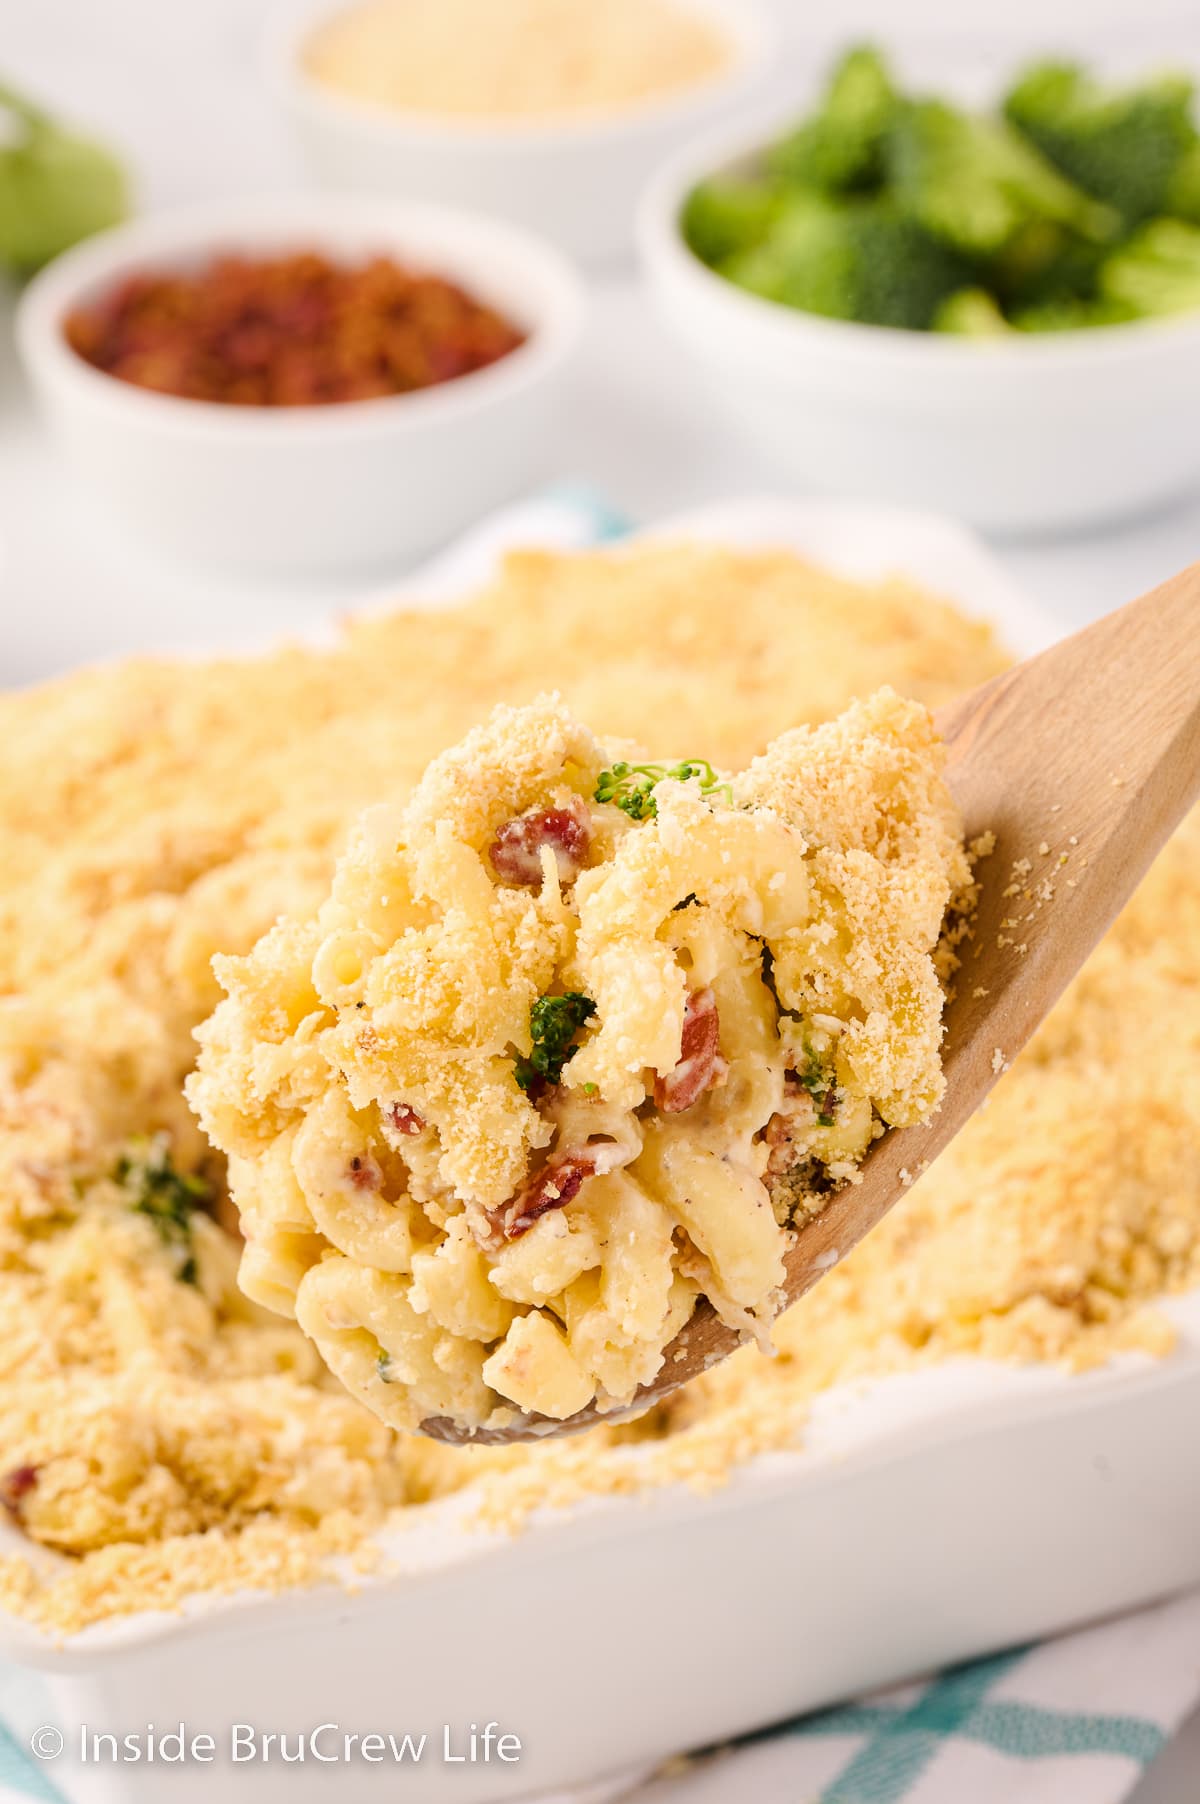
pixel 577 181
pixel 1039 433
pixel 347 486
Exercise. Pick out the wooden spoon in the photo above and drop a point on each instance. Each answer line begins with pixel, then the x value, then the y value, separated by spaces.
pixel 1081 762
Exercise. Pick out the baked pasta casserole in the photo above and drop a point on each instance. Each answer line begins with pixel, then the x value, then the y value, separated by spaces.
pixel 573 1042
pixel 162 1434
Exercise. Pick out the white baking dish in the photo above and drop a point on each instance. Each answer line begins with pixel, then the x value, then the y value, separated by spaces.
pixel 928 1518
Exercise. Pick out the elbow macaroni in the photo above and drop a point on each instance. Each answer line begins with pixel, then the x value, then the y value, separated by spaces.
pixel 764 1001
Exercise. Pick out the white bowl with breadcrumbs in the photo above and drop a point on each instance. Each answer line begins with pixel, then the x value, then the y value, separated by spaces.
pixel 574 175
pixel 929 1516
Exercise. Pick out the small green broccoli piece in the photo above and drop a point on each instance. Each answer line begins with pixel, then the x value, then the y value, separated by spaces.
pixel 1123 145
pixel 851 261
pixel 971 313
pixel 839 147
pixel 1043 262
pixel 821 1086
pixel 168 1197
pixel 1071 313
pixel 1182 198
pixel 55 186
pixel 631 787
pixel 974 183
pixel 728 214
pixel 1157 272
pixel 554 1023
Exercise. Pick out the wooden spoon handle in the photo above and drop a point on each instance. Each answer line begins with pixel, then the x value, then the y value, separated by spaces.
pixel 1093 750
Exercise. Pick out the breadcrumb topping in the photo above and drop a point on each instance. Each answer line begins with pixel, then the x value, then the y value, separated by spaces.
pixel 521 61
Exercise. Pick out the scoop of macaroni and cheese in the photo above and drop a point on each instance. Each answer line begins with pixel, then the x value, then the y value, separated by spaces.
pixel 574 1042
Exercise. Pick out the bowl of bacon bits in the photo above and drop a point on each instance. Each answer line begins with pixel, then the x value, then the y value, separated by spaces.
pixel 317 385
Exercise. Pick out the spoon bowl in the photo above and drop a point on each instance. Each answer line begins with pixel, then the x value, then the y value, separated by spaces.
pixel 1078 764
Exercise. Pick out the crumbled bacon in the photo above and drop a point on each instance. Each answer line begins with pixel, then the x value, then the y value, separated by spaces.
pixel 516 851
pixel 15 1486
pixel 791 1122
pixel 404 1119
pixel 700 1064
pixel 798 1114
pixel 365 1173
pixel 553 1187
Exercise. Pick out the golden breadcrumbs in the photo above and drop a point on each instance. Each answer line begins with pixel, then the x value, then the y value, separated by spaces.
pixel 161 1434
pixel 518 62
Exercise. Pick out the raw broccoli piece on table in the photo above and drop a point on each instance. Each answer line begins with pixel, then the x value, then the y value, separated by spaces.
pixel 975 183
pixel 728 214
pixel 971 313
pixel 840 146
pixel 55 186
pixel 851 261
pixel 1157 272
pixel 1123 145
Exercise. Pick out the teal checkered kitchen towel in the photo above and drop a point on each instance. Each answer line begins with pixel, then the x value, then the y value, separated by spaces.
pixel 1072 1721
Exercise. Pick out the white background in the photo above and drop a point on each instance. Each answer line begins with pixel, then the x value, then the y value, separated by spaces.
pixel 175 83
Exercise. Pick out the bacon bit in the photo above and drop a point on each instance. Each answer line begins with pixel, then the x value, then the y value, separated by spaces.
pixel 796 1118
pixel 700 1064
pixel 15 1486
pixel 553 1187
pixel 404 1119
pixel 291 331
pixel 365 1173
pixel 516 851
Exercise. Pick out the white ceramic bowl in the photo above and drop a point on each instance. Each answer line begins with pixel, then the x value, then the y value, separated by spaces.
pixel 325 489
pixel 576 181
pixel 1028 434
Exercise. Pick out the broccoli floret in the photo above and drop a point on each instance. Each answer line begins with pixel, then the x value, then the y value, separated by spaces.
pixel 55 186
pixel 630 787
pixel 728 214
pixel 1157 272
pixel 971 313
pixel 554 1023
pixel 1182 199
pixel 840 147
pixel 853 261
pixel 1071 313
pixel 169 1197
pixel 1122 145
pixel 975 183
pixel 1044 262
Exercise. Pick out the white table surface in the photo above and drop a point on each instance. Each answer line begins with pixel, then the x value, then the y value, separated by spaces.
pixel 177 86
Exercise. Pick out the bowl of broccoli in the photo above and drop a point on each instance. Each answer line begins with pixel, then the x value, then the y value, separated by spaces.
pixel 994 310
